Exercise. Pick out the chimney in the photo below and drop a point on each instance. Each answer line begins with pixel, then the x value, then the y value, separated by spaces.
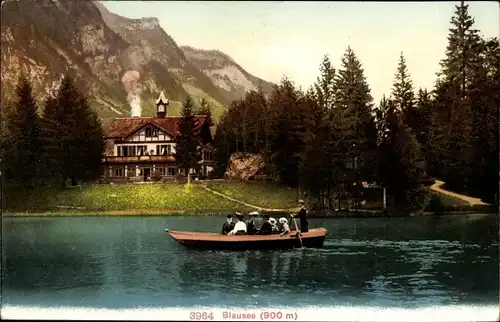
pixel 161 105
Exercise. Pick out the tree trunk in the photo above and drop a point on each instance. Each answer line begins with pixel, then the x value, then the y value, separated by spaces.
pixel 73 181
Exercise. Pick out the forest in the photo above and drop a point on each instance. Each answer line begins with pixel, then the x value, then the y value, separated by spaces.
pixel 327 140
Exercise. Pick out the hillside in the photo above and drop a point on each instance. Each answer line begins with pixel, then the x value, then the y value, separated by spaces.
pixel 224 72
pixel 119 61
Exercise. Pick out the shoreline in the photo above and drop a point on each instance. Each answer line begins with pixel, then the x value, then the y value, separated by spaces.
pixel 216 213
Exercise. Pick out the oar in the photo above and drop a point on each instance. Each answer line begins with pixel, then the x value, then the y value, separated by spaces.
pixel 298 232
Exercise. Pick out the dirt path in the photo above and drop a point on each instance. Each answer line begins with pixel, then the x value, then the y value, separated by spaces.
pixel 472 201
pixel 247 204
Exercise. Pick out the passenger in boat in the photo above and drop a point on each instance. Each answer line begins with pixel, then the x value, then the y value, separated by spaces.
pixel 251 223
pixel 240 228
pixel 228 225
pixel 285 229
pixel 267 228
pixel 274 225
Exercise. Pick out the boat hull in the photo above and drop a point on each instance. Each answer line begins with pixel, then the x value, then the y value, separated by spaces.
pixel 314 238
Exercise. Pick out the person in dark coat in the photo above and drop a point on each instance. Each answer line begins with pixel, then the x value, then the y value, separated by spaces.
pixel 267 228
pixel 228 225
pixel 304 224
pixel 251 224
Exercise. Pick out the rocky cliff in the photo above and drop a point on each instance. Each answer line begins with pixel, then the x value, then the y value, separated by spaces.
pixel 224 72
pixel 120 62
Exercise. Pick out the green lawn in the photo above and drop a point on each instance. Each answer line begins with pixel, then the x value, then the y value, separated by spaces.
pixel 139 198
pixel 262 194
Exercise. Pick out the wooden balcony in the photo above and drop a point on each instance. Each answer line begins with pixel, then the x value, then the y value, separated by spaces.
pixel 139 159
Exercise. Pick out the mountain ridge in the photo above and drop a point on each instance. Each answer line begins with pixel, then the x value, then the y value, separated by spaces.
pixel 119 61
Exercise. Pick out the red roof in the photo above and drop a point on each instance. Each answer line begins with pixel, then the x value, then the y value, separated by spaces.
pixel 121 128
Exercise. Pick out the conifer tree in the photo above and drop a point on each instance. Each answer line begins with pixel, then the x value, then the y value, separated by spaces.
pixel 485 102
pixel 400 164
pixel 453 120
pixel 423 129
pixel 402 94
pixel 355 123
pixel 206 109
pixel 187 152
pixel 325 85
pixel 286 144
pixel 20 142
pixel 73 139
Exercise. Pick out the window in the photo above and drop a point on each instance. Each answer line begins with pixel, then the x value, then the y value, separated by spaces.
pixel 141 149
pixel 165 149
pixel 151 132
pixel 171 171
pixel 207 155
pixel 161 170
pixel 118 172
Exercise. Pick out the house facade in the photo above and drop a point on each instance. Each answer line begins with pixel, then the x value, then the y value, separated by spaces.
pixel 141 148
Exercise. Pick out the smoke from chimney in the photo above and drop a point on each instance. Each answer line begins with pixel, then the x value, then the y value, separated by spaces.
pixel 130 81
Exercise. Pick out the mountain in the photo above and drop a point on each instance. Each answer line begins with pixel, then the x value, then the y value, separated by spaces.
pixel 120 62
pixel 224 72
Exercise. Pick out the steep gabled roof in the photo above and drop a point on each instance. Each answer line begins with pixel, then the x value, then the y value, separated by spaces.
pixel 162 99
pixel 120 128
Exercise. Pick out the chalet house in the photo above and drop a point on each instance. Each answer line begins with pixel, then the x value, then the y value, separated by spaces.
pixel 139 147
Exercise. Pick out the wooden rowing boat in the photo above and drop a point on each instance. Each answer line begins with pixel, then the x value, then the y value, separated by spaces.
pixel 314 238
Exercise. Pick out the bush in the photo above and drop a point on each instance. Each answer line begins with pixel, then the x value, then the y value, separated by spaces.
pixel 435 204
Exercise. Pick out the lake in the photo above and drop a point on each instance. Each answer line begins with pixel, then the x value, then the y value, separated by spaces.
pixel 117 263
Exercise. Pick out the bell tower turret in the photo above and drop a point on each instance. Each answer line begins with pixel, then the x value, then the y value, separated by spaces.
pixel 161 105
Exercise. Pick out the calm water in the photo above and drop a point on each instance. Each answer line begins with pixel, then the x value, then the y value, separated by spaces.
pixel 131 262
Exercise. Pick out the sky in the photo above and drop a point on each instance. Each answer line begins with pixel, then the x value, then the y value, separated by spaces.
pixel 276 38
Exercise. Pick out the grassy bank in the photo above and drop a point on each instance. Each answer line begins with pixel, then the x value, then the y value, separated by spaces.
pixel 174 199
pixel 262 194
pixel 165 198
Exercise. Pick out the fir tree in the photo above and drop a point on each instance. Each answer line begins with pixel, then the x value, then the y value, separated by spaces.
pixel 355 123
pixel 20 143
pixel 485 101
pixel 325 85
pixel 453 119
pixel 381 112
pixel 187 152
pixel 286 144
pixel 206 109
pixel 423 125
pixel 73 139
pixel 402 94
pixel 400 165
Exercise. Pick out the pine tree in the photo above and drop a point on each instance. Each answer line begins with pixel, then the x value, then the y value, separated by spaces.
pixel 485 101
pixel 402 94
pixel 453 119
pixel 206 109
pixel 355 125
pixel 401 168
pixel 286 144
pixel 423 125
pixel 461 51
pixel 20 143
pixel 325 85
pixel 187 152
pixel 73 139
pixel 318 167
pixel 381 112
